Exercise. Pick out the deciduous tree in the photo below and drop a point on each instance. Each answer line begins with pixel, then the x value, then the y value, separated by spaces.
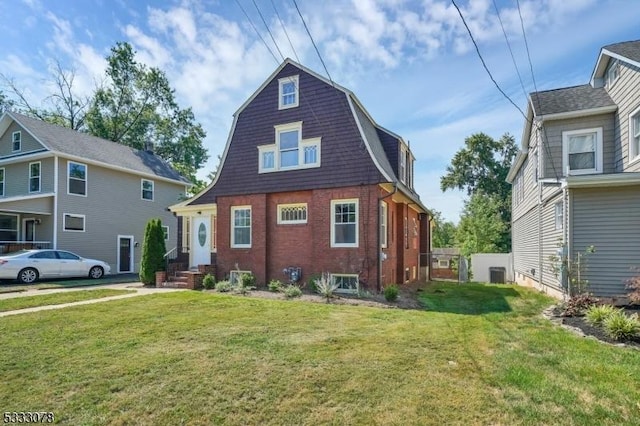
pixel 481 167
pixel 481 228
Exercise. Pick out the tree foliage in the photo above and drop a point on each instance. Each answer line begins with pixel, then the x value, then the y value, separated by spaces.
pixel 153 250
pixel 136 105
pixel 444 232
pixel 63 106
pixel 481 168
pixel 5 103
pixel 481 227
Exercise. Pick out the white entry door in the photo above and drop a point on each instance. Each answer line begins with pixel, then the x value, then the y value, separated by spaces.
pixel 201 241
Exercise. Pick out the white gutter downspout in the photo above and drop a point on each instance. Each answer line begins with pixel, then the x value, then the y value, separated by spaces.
pixel 55 202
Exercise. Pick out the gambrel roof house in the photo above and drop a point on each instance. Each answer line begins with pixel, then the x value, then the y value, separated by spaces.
pixel 576 179
pixel 309 182
pixel 69 190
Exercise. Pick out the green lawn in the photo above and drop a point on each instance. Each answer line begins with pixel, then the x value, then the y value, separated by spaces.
pixel 57 298
pixel 478 355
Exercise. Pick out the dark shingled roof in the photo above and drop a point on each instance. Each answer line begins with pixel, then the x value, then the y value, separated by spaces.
pixel 66 141
pixel 628 49
pixel 567 99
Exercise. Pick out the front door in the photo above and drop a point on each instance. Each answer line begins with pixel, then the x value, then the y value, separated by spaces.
pixel 201 241
pixel 29 229
pixel 125 253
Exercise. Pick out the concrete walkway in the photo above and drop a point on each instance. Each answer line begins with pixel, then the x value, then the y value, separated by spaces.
pixel 139 290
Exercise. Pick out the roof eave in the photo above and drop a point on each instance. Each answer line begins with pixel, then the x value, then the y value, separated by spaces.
pixel 603 180
pixel 579 113
pixel 603 61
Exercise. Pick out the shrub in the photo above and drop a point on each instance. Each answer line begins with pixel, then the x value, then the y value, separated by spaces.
pixel 245 284
pixel 208 281
pixel 633 284
pixel 292 291
pixel 621 326
pixel 275 285
pixel 325 286
pixel 577 305
pixel 596 314
pixel 312 281
pixel 391 293
pixel 223 286
pixel 153 250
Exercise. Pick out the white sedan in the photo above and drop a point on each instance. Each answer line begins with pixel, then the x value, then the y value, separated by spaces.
pixel 28 266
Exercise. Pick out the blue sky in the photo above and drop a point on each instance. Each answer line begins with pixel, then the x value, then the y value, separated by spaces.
pixel 411 63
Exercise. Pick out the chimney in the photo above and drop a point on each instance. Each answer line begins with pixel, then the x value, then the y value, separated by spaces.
pixel 148 147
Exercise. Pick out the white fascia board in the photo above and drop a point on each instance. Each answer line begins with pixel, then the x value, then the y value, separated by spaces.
pixel 603 61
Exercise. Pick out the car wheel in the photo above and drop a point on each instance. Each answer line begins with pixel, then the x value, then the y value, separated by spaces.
pixel 28 275
pixel 96 272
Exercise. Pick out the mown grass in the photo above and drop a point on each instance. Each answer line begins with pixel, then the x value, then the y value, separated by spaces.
pixel 478 355
pixel 57 298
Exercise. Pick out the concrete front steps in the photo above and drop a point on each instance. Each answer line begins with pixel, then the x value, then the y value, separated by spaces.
pixel 191 279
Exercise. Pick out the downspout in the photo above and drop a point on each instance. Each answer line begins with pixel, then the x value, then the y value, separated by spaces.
pixel 55 203
pixel 379 241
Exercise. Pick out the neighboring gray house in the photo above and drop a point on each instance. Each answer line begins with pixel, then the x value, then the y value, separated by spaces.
pixel 68 190
pixel 576 179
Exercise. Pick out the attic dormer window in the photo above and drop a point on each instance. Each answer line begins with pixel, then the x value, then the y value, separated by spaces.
pixel 288 92
pixel 16 138
pixel 290 151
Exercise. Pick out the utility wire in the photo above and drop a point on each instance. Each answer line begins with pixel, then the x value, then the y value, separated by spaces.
pixel 285 31
pixel 484 64
pixel 268 30
pixel 513 59
pixel 314 43
pixel 537 95
pixel 257 32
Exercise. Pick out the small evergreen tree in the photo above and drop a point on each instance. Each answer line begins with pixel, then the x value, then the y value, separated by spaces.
pixel 153 250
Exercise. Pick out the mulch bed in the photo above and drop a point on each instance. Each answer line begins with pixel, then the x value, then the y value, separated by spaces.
pixel 579 325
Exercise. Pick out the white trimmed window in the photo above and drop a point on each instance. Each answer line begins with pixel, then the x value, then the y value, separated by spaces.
pixel 582 151
pixel 344 223
pixel 241 226
pixel 16 139
pixel 76 178
pixel 2 182
pixel 559 215
pixel 147 189
pixel 443 263
pixel 289 214
pixel 165 231
pixel 403 164
pixel 34 177
pixel 346 283
pixel 634 135
pixel 383 224
pixel 290 151
pixel 288 92
pixel 613 71
pixel 74 222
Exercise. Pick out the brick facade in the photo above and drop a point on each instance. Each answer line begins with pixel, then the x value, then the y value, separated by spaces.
pixel 275 247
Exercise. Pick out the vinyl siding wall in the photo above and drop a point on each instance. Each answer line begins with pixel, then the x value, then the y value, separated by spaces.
pixel 625 92
pixel 551 238
pixel 607 218
pixel 28 143
pixel 16 178
pixel 553 136
pixel 113 206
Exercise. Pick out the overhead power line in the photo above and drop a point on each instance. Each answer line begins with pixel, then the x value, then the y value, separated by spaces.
pixel 268 30
pixel 483 62
pixel 313 42
pixel 284 28
pixel 513 59
pixel 257 32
